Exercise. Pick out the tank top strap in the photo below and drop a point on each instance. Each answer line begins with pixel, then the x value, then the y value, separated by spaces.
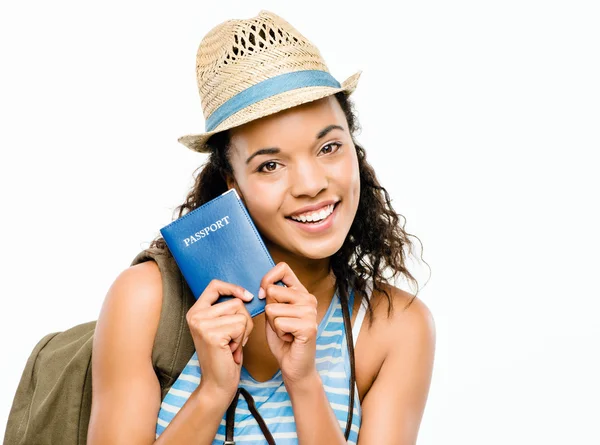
pixel 361 311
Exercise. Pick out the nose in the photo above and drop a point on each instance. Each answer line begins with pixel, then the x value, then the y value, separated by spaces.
pixel 308 178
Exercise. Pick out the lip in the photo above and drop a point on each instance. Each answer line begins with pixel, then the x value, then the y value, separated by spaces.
pixel 317 227
pixel 313 207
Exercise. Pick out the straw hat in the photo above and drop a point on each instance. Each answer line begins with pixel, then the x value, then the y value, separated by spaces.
pixel 247 69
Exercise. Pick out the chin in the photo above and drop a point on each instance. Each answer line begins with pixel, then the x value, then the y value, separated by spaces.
pixel 319 250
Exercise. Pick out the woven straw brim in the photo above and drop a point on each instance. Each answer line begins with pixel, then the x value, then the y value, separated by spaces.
pixel 266 107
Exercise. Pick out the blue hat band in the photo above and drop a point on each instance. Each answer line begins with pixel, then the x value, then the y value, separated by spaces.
pixel 268 88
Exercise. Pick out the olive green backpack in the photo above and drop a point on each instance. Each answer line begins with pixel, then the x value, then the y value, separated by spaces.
pixel 53 399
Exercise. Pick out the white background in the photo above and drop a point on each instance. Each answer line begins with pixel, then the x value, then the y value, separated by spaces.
pixel 480 118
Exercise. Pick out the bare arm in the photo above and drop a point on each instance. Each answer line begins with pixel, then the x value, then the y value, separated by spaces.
pixel 316 422
pixel 126 393
pixel 393 407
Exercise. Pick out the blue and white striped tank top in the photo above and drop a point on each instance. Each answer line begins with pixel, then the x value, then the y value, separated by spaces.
pixel 271 398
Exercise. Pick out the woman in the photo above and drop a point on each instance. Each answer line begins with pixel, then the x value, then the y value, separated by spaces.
pixel 280 131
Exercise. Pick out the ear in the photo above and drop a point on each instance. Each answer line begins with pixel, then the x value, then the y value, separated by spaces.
pixel 232 183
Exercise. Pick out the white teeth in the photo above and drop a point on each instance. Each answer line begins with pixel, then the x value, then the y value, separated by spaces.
pixel 315 216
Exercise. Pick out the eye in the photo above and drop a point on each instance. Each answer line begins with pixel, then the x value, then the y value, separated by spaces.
pixel 260 169
pixel 332 144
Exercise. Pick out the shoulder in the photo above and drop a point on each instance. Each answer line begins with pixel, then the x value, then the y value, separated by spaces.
pixel 127 326
pixel 133 304
pixel 405 332
pixel 125 385
pixel 143 280
pixel 138 284
pixel 401 317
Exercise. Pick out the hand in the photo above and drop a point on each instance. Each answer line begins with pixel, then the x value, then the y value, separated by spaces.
pixel 291 328
pixel 219 332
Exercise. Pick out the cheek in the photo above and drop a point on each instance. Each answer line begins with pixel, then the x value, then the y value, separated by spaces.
pixel 352 185
pixel 350 176
pixel 263 203
pixel 264 211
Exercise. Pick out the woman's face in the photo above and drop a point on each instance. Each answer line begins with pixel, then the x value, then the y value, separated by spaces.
pixel 300 157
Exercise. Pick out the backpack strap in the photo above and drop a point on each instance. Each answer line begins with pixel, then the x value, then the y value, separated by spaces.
pixel 173 344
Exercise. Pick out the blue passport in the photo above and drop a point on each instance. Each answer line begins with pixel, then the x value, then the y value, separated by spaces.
pixel 219 240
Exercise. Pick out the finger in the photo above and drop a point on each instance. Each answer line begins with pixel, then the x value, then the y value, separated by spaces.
pixel 284 273
pixel 279 294
pixel 215 315
pixel 237 334
pixel 223 330
pixel 229 307
pixel 198 315
pixel 281 334
pixel 217 288
pixel 274 310
pixel 238 356
pixel 299 328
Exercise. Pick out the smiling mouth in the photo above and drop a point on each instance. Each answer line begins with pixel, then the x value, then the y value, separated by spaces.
pixel 314 222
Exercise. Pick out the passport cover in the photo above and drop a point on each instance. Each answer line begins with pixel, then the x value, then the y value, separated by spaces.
pixel 219 240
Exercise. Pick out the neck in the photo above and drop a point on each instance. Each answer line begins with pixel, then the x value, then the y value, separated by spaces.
pixel 315 275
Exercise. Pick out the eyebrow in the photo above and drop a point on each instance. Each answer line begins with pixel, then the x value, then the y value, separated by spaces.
pixel 275 150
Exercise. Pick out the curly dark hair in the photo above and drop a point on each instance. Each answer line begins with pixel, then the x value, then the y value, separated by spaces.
pixel 375 242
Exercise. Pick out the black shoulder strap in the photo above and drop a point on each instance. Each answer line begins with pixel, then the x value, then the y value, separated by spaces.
pixel 173 344
pixel 230 418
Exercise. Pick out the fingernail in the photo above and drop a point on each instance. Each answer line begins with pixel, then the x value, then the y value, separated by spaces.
pixel 245 341
pixel 248 294
pixel 261 293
